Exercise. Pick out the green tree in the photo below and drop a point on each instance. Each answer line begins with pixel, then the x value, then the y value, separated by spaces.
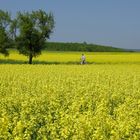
pixel 5 39
pixel 31 31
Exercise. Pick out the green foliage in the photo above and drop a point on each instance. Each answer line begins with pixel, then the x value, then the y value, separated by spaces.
pixel 31 30
pixel 60 46
pixel 5 40
pixel 4 19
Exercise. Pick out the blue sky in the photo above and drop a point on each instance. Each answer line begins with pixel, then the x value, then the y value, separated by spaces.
pixel 107 22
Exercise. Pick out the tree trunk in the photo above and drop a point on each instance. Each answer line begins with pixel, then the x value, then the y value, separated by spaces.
pixel 30 58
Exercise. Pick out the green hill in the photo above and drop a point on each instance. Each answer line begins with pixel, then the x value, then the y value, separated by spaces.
pixel 61 46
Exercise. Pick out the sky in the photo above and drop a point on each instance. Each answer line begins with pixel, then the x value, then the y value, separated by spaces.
pixel 106 22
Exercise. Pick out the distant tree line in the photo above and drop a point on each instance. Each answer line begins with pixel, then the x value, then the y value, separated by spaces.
pixel 61 46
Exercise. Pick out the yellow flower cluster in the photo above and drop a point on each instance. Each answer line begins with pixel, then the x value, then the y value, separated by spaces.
pixel 73 102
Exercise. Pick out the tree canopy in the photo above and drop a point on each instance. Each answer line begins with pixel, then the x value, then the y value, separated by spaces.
pixel 31 30
pixel 5 40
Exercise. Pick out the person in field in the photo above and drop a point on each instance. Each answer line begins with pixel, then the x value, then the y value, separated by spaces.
pixel 83 59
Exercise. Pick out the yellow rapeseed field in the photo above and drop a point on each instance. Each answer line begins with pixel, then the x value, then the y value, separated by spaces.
pixel 74 58
pixel 72 102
